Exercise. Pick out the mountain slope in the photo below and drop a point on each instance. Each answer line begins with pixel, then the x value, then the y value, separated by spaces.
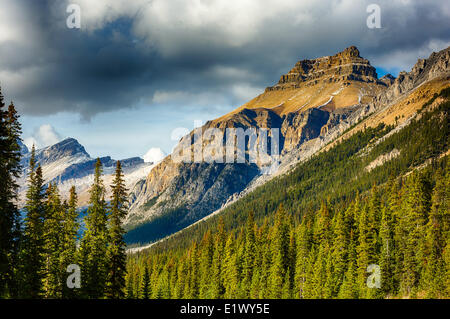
pixel 314 232
pixel 303 132
pixel 337 174
pixel 346 75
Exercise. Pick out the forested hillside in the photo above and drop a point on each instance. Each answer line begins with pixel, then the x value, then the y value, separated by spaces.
pixel 379 197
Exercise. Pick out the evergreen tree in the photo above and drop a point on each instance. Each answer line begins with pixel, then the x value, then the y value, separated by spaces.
pixel 322 229
pixel 303 248
pixel 319 275
pixel 231 276
pixel 145 285
pixel 367 250
pixel 206 257
pixel 10 130
pixel 280 253
pixel 32 249
pixel 266 260
pixel 249 253
pixel 70 226
pixel 349 287
pixel 446 257
pixel 94 243
pixel 182 280
pixel 116 250
pixel 130 292
pixel 53 242
pixel 398 228
pixel 194 264
pixel 218 288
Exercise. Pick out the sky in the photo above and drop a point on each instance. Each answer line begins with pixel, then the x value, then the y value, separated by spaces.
pixel 138 70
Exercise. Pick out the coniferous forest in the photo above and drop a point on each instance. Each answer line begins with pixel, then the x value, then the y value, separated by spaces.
pixel 403 227
pixel 39 252
pixel 330 229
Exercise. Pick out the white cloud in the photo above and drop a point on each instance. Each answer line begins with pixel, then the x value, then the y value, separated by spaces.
pixel 154 155
pixel 43 136
pixel 404 59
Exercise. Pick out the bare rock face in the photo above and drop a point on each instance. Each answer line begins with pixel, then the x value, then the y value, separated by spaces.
pixel 437 65
pixel 298 128
pixel 344 66
pixel 388 79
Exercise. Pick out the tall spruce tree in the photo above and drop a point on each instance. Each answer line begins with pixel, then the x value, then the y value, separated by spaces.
pixel 339 252
pixel 116 250
pixel 280 253
pixel 249 253
pixel 206 257
pixel 70 227
pixel 303 248
pixel 349 287
pixel 53 242
pixel 94 265
pixel 130 283
pixel 230 268
pixel 10 130
pixel 218 288
pixel 194 280
pixel 32 248
pixel 145 285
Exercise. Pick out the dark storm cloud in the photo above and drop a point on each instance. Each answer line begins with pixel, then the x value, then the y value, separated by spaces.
pixel 182 52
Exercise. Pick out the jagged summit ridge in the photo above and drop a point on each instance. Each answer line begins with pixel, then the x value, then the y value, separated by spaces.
pixel 437 65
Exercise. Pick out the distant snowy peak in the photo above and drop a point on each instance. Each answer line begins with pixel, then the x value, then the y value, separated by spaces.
pixel 64 149
pixel 67 163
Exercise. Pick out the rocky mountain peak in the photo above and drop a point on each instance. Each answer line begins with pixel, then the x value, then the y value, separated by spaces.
pixel 343 66
pixel 351 52
pixel 67 147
